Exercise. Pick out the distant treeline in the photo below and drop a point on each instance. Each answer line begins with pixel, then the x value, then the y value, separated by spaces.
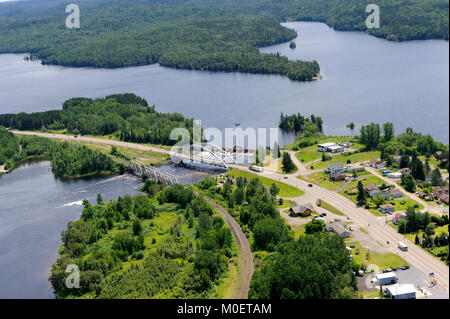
pixel 299 123
pixel 67 160
pixel 125 115
pixel 210 35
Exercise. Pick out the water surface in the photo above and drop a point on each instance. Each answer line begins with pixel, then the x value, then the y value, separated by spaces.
pixel 364 79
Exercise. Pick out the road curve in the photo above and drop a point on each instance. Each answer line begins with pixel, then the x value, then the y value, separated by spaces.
pixel 378 230
pixel 246 267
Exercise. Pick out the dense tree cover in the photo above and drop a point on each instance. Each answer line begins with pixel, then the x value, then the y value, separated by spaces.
pixel 176 263
pixel 313 267
pixel 287 165
pixel 254 206
pixel 201 35
pixel 408 146
pixel 124 115
pixel 9 145
pixel 416 221
pixel 299 123
pixel 68 160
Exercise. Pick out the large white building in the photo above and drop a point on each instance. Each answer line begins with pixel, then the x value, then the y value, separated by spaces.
pixel 330 147
pixel 401 291
pixel 388 278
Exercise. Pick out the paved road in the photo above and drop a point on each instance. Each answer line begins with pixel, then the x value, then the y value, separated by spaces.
pixel 376 227
pixel 246 267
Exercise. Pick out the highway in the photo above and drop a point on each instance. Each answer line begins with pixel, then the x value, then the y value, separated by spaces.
pixel 376 227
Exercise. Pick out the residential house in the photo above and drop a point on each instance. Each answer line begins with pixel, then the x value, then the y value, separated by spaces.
pixel 337 177
pixel 370 187
pixel 335 168
pixel 398 217
pixel 439 191
pixel 380 193
pixel 405 171
pixel 360 169
pixel 444 198
pixel 338 229
pixel 376 163
pixel 301 210
pixel 387 208
pixel 438 154
pixel 395 193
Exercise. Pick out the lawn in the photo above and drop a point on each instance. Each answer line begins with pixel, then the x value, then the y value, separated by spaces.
pixel 276 166
pixel 308 156
pixel 351 190
pixel 354 158
pixel 330 208
pixel 367 257
pixel 286 190
pixel 322 179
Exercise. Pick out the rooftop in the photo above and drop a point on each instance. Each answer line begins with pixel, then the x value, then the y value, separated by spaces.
pixel 401 289
pixel 329 144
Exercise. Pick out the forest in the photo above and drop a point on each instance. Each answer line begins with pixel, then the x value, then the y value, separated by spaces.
pixel 201 34
pixel 299 123
pixel 314 266
pixel 126 116
pixel 67 160
pixel 172 245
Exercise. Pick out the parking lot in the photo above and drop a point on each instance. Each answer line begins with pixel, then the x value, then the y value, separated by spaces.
pixel 413 276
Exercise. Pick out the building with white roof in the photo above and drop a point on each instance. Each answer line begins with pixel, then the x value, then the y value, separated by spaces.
pixel 387 278
pixel 325 146
pixel 401 291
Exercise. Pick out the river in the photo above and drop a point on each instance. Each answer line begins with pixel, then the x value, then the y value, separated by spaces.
pixel 364 79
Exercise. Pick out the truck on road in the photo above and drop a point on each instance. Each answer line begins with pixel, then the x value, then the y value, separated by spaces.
pixel 402 246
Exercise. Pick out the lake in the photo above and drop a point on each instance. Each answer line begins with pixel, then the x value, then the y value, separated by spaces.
pixel 364 79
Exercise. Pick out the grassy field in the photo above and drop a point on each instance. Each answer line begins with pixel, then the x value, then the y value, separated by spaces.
pixel 144 157
pixel 354 158
pixel 330 208
pixel 352 187
pixel 367 257
pixel 286 191
pixel 322 179
pixel 400 204
pixel 275 166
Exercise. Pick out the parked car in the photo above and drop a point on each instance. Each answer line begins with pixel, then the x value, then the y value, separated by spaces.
pixel 310 185
pixel 361 273
pixel 352 246
pixel 352 229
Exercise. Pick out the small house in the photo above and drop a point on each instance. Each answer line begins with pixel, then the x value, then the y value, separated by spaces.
pixel 395 193
pixel 338 229
pixel 387 208
pixel 405 171
pixel 439 191
pixel 335 168
pixel 380 193
pixel 301 210
pixel 376 163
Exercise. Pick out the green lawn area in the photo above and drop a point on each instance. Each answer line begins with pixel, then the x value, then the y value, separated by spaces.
pixel 307 156
pixel 367 257
pixel 286 203
pixel 330 208
pixel 352 187
pixel 286 190
pixel 322 179
pixel 276 166
pixel 354 158
pixel 400 204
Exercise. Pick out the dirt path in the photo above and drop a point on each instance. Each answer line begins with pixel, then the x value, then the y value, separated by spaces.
pixel 246 266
